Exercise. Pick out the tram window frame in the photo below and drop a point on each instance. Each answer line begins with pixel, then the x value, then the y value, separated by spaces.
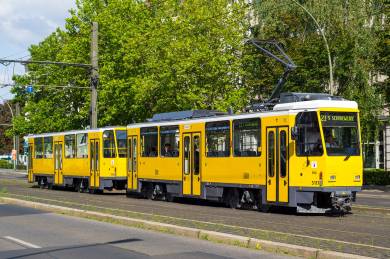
pixel 70 146
pixel 48 152
pixel 271 153
pixel 218 129
pixel 238 133
pixel 169 135
pixel 109 151
pixel 149 141
pixel 283 153
pixel 82 147
pixel 316 145
pixel 38 148
pixel 120 141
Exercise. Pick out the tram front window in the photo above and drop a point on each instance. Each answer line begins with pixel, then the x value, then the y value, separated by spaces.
pixel 308 137
pixel 341 133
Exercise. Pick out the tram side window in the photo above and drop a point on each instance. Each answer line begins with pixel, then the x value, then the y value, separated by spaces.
pixel 121 138
pixel 70 143
pixel 82 145
pixel 308 140
pixel 246 137
pixel 218 139
pixel 38 147
pixel 109 144
pixel 149 142
pixel 48 147
pixel 169 141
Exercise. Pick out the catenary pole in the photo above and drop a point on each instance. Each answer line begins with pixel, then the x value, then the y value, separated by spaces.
pixel 332 89
pixel 94 74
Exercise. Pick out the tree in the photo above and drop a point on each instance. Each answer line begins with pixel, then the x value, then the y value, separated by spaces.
pixel 5 121
pixel 350 27
pixel 154 57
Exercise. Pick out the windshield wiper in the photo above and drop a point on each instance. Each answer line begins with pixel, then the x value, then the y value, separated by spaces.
pixel 349 153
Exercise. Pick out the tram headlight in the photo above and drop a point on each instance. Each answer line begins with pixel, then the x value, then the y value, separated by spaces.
pixel 357 178
pixel 332 178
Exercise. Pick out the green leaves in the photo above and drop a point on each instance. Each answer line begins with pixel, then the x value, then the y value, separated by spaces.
pixel 161 56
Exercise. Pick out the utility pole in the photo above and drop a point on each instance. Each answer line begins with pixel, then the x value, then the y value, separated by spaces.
pixel 94 74
pixel 16 137
pixel 93 67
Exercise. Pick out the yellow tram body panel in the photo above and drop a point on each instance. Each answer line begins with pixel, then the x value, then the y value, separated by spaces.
pixel 292 165
pixel 67 157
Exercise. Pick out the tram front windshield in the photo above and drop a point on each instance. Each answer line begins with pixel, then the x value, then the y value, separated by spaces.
pixel 341 134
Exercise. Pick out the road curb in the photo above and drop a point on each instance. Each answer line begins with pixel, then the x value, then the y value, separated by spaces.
pixel 219 237
pixel 322 254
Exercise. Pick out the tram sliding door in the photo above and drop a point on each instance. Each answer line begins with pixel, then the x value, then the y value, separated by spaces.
pixel 30 163
pixel 277 164
pixel 94 176
pixel 132 163
pixel 58 178
pixel 191 164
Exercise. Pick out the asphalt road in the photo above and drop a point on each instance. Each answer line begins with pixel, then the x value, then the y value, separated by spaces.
pixel 362 232
pixel 31 233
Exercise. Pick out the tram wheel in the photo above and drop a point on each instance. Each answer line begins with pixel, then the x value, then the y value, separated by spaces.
pixel 265 208
pixel 233 199
pixel 169 197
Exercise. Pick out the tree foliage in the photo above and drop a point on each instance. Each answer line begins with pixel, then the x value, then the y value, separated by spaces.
pixel 352 29
pixel 160 56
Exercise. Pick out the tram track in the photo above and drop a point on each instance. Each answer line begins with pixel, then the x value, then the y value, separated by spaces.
pixel 359 228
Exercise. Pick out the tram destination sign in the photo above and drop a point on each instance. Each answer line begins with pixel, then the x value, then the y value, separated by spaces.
pixel 344 119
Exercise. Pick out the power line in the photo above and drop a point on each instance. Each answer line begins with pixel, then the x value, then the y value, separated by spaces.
pixel 6 62
pixel 49 86
pixel 15 54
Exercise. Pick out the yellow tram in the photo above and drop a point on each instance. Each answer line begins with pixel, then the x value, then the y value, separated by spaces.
pixel 304 153
pixel 85 159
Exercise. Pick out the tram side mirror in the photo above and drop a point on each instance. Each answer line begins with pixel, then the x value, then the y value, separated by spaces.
pixel 294 133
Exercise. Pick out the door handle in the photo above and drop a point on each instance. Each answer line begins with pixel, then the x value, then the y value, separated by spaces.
pixel 198 178
pixel 269 181
pixel 285 182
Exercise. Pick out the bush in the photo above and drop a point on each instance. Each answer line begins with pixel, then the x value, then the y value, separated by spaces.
pixel 6 164
pixel 376 177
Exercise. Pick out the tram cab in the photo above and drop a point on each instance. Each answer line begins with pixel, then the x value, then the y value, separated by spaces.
pixel 326 168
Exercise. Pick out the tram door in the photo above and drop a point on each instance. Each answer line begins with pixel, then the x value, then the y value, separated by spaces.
pixel 132 158
pixel 30 163
pixel 94 163
pixel 277 164
pixel 58 179
pixel 191 164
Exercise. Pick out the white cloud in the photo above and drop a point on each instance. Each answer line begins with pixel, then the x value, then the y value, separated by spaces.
pixel 24 22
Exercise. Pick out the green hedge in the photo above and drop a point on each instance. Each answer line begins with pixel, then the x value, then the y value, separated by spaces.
pixel 6 164
pixel 376 177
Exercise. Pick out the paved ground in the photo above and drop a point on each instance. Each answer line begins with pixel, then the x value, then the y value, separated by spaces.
pixel 363 232
pixel 30 233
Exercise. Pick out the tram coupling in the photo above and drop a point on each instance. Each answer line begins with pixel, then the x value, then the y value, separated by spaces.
pixel 341 201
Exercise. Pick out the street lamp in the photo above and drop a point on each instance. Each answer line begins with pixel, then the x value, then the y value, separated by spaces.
pixel 326 45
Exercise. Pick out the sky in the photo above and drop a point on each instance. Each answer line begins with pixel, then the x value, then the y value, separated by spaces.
pixel 23 23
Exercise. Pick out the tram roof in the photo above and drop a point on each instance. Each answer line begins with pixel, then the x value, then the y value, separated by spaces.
pixel 51 134
pixel 279 109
